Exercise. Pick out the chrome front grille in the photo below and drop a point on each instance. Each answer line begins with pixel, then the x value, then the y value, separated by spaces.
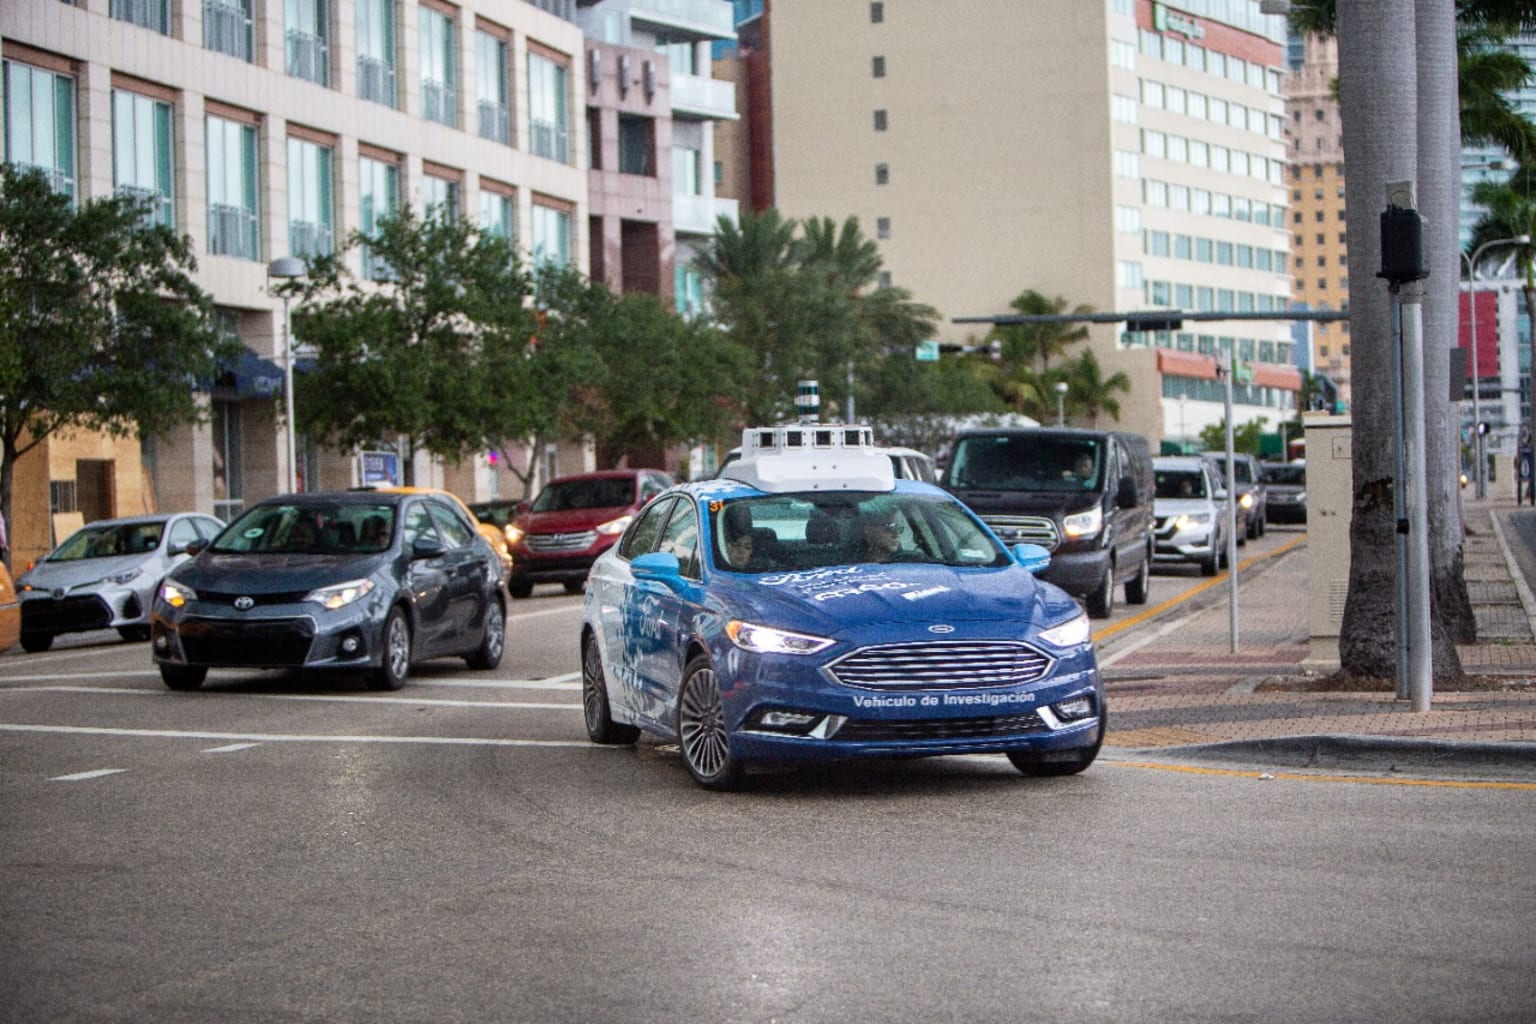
pixel 941 665
pixel 1025 530
pixel 556 543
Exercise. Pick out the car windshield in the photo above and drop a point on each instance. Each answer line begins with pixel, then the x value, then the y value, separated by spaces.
pixel 1285 474
pixel 816 529
pixel 309 529
pixel 1180 483
pixel 601 492
pixel 109 541
pixel 498 513
pixel 1025 463
pixel 1242 472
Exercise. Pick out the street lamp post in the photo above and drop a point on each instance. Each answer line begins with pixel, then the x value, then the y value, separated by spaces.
pixel 288 268
pixel 1478 471
pixel 1061 403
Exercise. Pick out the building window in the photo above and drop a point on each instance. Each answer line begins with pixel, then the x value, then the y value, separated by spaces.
pixel 439 76
pixel 876 12
pixel 882 227
pixel 227 27
pixel 141 153
pixel 439 198
pixel 376 51
pixel 379 192
pixel 40 123
pixel 878 67
pixel 687 291
pixel 883 279
pixel 547 109
pixel 233 185
pixel 880 121
pixel 227 470
pixel 493 93
pixel 307 30
pixel 498 215
pixel 637 149
pixel 687 171
pixel 154 15
pixel 882 174
pixel 551 235
pixel 311 223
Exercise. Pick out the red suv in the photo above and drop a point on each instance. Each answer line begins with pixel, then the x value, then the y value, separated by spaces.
pixel 572 521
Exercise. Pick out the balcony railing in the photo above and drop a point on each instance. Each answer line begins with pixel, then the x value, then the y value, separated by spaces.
pixel 232 231
pixel 548 139
pixel 438 102
pixel 306 238
pixel 375 80
pixel 698 97
pixel 151 14
pixel 227 29
pixel 376 267
pixel 684 20
pixel 696 215
pixel 60 182
pixel 309 57
pixel 158 208
pixel 494 121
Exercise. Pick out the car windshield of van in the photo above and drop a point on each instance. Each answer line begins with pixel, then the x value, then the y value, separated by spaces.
pixel 1026 463
pixel 608 492
pixel 1180 483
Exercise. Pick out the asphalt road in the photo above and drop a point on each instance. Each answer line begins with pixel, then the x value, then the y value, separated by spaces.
pixel 276 848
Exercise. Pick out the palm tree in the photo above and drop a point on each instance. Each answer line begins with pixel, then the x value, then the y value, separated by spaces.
pixel 1027 343
pixel 1511 206
pixel 1092 393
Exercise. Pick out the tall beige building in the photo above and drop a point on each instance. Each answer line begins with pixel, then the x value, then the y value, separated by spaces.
pixel 265 129
pixel 1119 153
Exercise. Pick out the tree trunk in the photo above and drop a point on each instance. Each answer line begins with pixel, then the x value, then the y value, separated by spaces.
pixel 1439 195
pixel 1378 101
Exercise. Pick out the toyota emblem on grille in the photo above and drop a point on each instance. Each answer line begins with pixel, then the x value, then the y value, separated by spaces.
pixel 245 604
pixel 941 629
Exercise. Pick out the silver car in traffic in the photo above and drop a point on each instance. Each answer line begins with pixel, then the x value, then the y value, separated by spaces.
pixel 104 576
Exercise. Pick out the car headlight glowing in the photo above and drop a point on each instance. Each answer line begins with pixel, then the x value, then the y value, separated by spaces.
pixel 1069 634
pixel 514 533
pixel 1083 524
pixel 1246 500
pixel 1189 519
pixel 340 595
pixel 767 640
pixel 127 576
pixel 176 594
pixel 614 526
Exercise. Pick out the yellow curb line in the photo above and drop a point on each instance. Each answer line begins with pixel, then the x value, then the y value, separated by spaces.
pixel 1293 777
pixel 1155 610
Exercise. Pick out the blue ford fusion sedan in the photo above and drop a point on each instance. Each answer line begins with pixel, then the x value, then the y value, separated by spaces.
pixel 808 606
pixel 365 582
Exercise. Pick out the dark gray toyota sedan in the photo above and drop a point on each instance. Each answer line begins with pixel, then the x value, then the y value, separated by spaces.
pixel 368 582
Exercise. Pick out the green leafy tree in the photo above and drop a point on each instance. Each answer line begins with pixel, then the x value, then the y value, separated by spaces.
pixel 101 325
pixel 1028 344
pixel 1090 392
pixel 437 352
pixel 1511 213
pixel 1245 437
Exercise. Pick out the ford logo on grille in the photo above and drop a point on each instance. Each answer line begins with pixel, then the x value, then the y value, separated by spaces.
pixel 941 629
pixel 245 604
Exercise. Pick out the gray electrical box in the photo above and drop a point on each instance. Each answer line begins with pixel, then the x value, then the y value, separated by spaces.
pixel 1330 499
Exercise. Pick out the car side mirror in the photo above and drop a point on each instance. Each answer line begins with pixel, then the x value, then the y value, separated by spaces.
pixel 1031 556
pixel 427 547
pixel 1221 494
pixel 658 567
pixel 1125 494
pixel 191 547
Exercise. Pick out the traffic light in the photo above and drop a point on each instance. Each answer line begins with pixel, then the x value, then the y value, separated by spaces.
pixel 1141 322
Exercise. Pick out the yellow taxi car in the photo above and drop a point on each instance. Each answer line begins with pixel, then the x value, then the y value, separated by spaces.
pixel 10 612
pixel 489 531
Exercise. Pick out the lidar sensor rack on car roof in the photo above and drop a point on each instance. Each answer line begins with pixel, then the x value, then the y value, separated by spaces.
pixel 811 457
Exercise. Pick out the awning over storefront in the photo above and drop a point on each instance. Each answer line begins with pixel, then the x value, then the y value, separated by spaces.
pixel 256 376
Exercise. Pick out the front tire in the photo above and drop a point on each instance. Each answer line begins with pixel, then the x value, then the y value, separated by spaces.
pixel 520 589
pixel 36 643
pixel 1101 602
pixel 396 664
pixel 601 728
pixel 701 731
pixel 1137 590
pixel 1062 762
pixel 133 634
pixel 493 639
pixel 182 677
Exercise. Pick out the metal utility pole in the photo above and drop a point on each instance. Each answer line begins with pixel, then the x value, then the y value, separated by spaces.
pixel 1225 368
pixel 1402 265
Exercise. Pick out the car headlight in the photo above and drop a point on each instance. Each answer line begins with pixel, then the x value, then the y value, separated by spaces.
pixel 514 534
pixel 615 526
pixel 1083 524
pixel 176 594
pixel 124 577
pixel 1071 633
pixel 1189 519
pixel 1246 500
pixel 767 640
pixel 340 595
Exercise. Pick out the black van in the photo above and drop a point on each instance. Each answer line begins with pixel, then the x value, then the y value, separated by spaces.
pixel 1084 495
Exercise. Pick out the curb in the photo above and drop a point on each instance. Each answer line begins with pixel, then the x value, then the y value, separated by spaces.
pixel 1373 753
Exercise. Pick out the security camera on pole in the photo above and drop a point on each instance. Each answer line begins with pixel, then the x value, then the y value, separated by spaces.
pixel 1402 265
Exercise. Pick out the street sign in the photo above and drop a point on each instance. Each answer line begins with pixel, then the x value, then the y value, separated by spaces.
pixel 927 352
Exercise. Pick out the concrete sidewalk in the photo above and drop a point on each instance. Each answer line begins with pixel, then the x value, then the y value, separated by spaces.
pixel 1177 683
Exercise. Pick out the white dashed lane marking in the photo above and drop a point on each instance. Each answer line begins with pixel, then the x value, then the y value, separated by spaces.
pixel 83 776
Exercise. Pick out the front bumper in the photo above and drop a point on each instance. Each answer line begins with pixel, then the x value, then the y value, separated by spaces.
pixel 78 612
pixel 1079 573
pixel 301 635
